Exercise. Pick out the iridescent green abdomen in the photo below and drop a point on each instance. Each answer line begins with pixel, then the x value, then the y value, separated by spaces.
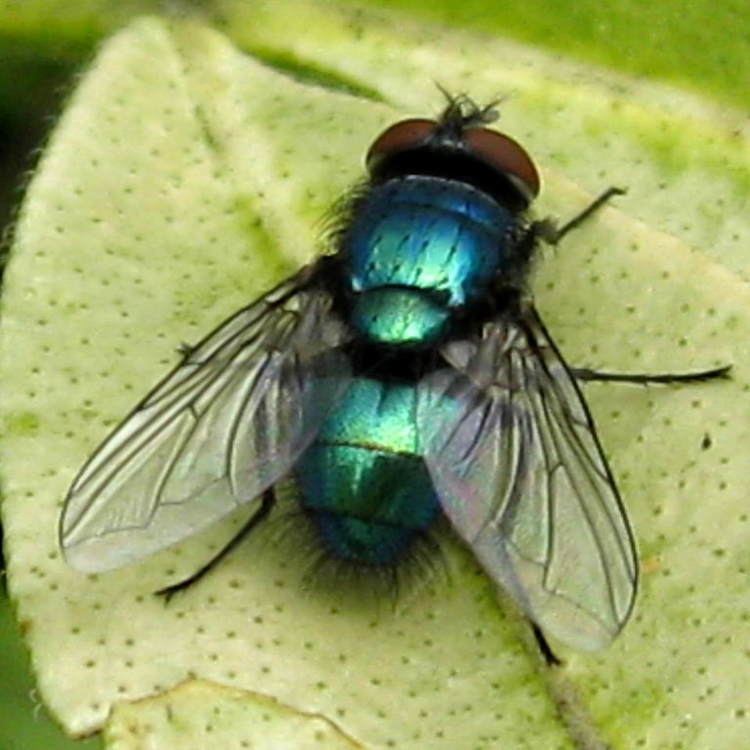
pixel 368 489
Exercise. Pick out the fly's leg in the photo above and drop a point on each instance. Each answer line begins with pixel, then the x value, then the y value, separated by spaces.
pixel 545 649
pixel 548 230
pixel 266 504
pixel 701 376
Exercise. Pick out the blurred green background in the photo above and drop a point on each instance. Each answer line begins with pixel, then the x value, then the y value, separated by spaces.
pixel 44 44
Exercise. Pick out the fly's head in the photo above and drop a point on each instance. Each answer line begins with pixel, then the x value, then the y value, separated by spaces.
pixel 458 145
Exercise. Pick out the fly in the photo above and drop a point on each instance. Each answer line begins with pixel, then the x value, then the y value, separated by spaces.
pixel 404 376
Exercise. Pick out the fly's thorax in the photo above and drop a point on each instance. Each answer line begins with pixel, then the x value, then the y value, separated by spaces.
pixel 399 316
pixel 417 249
pixel 363 481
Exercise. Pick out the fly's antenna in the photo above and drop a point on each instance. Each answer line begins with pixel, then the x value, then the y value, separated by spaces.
pixel 461 111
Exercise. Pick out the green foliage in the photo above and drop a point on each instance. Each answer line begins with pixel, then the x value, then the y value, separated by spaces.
pixel 700 45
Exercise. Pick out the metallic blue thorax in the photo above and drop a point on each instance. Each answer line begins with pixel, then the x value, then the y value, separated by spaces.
pixel 418 249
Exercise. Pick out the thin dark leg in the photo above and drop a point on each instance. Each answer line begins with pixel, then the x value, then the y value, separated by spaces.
pixel 547 231
pixel 266 504
pixel 717 373
pixel 546 650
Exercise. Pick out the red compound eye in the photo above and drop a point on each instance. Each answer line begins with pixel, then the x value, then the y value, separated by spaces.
pixel 505 155
pixel 495 150
pixel 402 136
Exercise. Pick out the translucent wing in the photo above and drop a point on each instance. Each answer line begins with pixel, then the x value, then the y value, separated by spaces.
pixel 515 459
pixel 227 423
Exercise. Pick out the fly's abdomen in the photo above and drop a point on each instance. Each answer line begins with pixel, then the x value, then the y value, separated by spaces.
pixel 362 481
pixel 418 248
